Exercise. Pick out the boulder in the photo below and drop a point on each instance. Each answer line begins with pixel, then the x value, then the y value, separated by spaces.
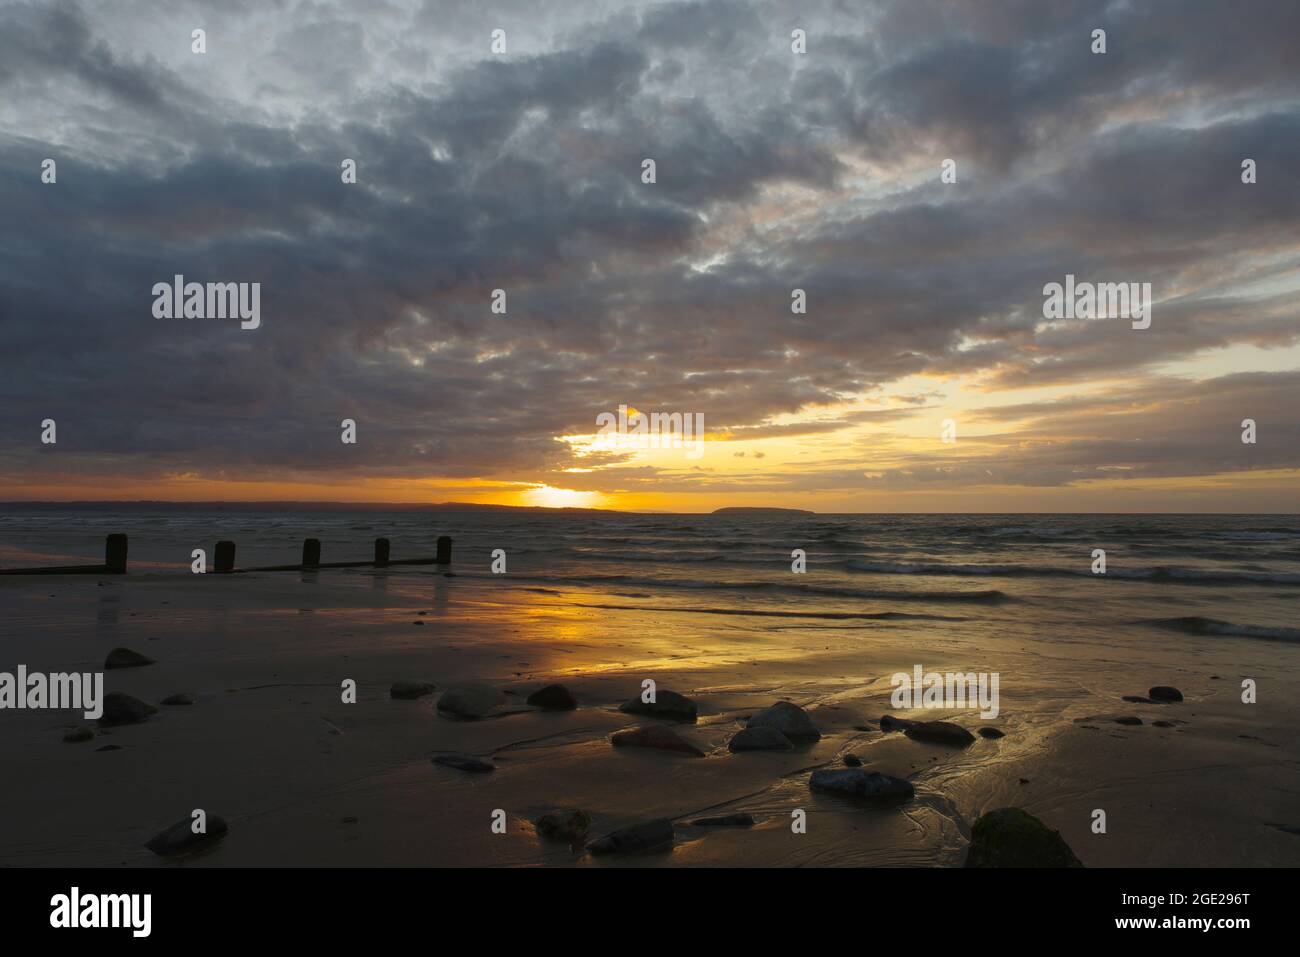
pixel 569 825
pixel 553 698
pixel 125 658
pixel 654 736
pixel 859 783
pixel 991 733
pixel 1165 693
pixel 940 732
pixel 123 709
pixel 1011 837
pixel 667 704
pixel 1128 719
pixel 410 690
pixel 471 700
pixel 649 836
pixel 180 837
pixel 78 734
pixel 852 761
pixel 790 719
pixel 179 700
pixel 760 739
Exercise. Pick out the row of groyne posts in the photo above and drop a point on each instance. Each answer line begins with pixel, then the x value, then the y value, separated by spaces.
pixel 223 559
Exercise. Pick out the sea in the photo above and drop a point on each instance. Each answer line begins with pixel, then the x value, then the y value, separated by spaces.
pixel 1221 576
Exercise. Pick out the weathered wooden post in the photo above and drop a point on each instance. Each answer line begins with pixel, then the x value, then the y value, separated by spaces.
pixel 381 552
pixel 444 550
pixel 223 560
pixel 311 553
pixel 115 554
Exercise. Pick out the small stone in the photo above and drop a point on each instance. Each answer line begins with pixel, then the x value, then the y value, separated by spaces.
pixel 179 700
pixel 667 704
pixel 349 820
pixel 121 708
pixel 1165 693
pixel 655 736
pixel 1011 837
pixel 78 734
pixel 852 761
pixel 471 700
pixel 180 837
pixel 569 825
pixel 420 623
pixel 991 733
pixel 125 658
pixel 651 835
pixel 725 820
pixel 788 718
pixel 940 732
pixel 110 747
pixel 860 783
pixel 465 762
pixel 410 690
pixel 760 739
pixel 553 698
pixel 1162 724
pixel 1128 719
pixel 1138 699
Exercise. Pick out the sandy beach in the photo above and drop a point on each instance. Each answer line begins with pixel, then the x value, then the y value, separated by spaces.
pixel 306 780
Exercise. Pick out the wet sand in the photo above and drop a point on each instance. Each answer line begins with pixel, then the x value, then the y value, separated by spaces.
pixel 305 780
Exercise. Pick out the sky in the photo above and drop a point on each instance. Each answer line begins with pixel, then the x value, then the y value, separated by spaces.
pixel 922 376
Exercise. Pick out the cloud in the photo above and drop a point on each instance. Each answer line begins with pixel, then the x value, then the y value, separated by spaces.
pixel 522 172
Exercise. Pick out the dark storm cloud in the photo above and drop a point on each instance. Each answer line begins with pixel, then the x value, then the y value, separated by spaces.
pixel 523 173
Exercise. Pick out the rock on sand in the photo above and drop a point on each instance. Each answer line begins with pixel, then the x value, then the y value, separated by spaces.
pixel 553 698
pixel 1165 693
pixel 760 739
pixel 471 700
pixel 940 732
pixel 654 736
pixel 126 658
pixel 180 837
pixel 1011 837
pixel 649 836
pixel 123 709
pixel 568 825
pixel 790 719
pixel 859 783
pixel 667 704
pixel 410 690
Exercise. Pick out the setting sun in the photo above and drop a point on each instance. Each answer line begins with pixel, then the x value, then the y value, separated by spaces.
pixel 549 497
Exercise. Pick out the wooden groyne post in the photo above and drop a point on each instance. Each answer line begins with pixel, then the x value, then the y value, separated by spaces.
pixel 114 562
pixel 223 559
pixel 115 554
pixel 381 552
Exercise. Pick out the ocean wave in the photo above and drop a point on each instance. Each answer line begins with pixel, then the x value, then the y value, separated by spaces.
pixel 987 596
pixel 1196 625
pixel 768 613
pixel 1200 576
